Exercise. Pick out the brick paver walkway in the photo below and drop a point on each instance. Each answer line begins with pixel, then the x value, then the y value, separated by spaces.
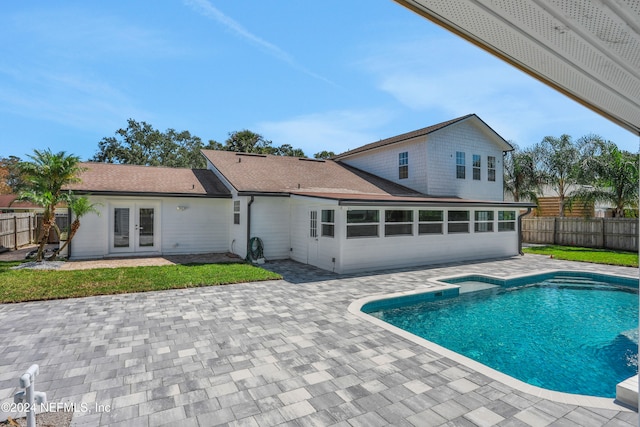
pixel 271 353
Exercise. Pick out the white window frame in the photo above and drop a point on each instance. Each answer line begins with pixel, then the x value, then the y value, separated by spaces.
pixel 476 167
pixel 461 167
pixel 507 225
pixel 389 224
pixel 458 222
pixel 327 223
pixel 483 221
pixel 431 222
pixel 355 225
pixel 491 168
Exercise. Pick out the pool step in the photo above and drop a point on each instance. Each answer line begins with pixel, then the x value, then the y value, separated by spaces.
pixel 627 392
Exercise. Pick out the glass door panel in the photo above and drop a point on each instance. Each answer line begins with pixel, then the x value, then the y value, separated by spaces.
pixel 121 234
pixel 145 227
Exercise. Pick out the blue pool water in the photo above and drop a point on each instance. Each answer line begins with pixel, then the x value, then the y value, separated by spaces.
pixel 574 335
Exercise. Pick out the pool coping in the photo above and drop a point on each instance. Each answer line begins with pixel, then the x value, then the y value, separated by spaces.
pixel 436 285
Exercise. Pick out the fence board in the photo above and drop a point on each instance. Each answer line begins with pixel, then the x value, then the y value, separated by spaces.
pixel 607 233
pixel 17 229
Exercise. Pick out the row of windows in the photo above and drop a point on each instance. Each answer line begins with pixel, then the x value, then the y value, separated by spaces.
pixel 366 223
pixel 461 166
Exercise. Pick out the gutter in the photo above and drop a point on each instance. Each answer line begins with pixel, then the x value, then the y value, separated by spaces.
pixel 520 230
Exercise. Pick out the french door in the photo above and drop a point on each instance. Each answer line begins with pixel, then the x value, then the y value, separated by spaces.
pixel 134 227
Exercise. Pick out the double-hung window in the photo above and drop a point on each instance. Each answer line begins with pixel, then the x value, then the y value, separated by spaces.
pixel 430 222
pixel 363 223
pixel 327 220
pixel 403 165
pixel 460 165
pixel 457 222
pixel 398 223
pixel 483 221
pixel 491 168
pixel 506 220
pixel 477 167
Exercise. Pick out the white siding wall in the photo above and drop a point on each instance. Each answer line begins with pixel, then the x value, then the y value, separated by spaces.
pixel 471 139
pixel 383 162
pixel 375 253
pixel 270 222
pixel 322 250
pixel 91 240
pixel 200 228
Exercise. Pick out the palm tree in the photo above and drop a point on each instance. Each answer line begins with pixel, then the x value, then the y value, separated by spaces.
pixel 615 178
pixel 80 206
pixel 46 175
pixel 521 178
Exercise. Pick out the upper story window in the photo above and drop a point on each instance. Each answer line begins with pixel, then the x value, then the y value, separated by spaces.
pixel 477 166
pixel 491 168
pixel 403 165
pixel 460 165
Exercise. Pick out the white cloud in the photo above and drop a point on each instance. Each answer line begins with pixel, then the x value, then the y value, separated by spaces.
pixel 336 131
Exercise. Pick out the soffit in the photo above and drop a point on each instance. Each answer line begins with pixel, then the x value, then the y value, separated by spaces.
pixel 587 49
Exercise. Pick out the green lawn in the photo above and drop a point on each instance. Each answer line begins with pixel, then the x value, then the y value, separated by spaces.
pixel 32 285
pixel 598 256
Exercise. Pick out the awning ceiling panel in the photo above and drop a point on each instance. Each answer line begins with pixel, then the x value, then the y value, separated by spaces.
pixel 587 49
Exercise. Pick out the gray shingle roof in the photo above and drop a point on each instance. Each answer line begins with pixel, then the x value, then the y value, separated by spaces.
pixel 100 178
pixel 281 174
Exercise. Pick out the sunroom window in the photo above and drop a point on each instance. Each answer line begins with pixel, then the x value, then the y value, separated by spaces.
pixel 483 221
pixel 430 222
pixel 398 223
pixel 363 223
pixel 506 220
pixel 457 222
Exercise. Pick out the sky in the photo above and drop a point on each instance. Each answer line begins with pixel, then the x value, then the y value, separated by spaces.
pixel 326 75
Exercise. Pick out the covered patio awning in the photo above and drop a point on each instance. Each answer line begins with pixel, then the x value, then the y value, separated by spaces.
pixel 586 49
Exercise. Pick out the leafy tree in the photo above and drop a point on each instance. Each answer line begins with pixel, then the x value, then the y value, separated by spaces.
pixel 10 177
pixel 246 141
pixel 80 206
pixel 46 176
pixel 522 179
pixel 562 164
pixel 141 144
pixel 614 176
pixel 324 154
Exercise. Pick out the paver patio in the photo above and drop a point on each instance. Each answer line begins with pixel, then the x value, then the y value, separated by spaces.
pixel 271 353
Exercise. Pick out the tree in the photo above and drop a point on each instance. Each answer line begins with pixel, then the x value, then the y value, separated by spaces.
pixel 246 141
pixel 141 144
pixel 324 154
pixel 80 206
pixel 522 179
pixel 615 178
pixel 561 162
pixel 10 177
pixel 46 176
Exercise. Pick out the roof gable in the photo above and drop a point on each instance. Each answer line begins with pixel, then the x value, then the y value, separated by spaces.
pixel 426 131
pixel 107 178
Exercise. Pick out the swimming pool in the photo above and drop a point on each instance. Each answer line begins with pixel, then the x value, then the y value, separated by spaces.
pixel 564 331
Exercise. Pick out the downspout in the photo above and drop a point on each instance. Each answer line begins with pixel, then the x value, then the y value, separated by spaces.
pixel 520 230
pixel 249 227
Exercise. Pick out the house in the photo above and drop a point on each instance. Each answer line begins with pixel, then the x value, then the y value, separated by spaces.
pixel 428 196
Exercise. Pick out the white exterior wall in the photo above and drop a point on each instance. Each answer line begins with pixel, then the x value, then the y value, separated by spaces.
pixel 383 162
pixel 441 171
pixel 200 226
pixel 270 222
pixel 376 253
pixel 321 251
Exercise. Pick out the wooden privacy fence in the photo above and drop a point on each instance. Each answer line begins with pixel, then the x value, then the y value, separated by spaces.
pixel 17 229
pixel 606 233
